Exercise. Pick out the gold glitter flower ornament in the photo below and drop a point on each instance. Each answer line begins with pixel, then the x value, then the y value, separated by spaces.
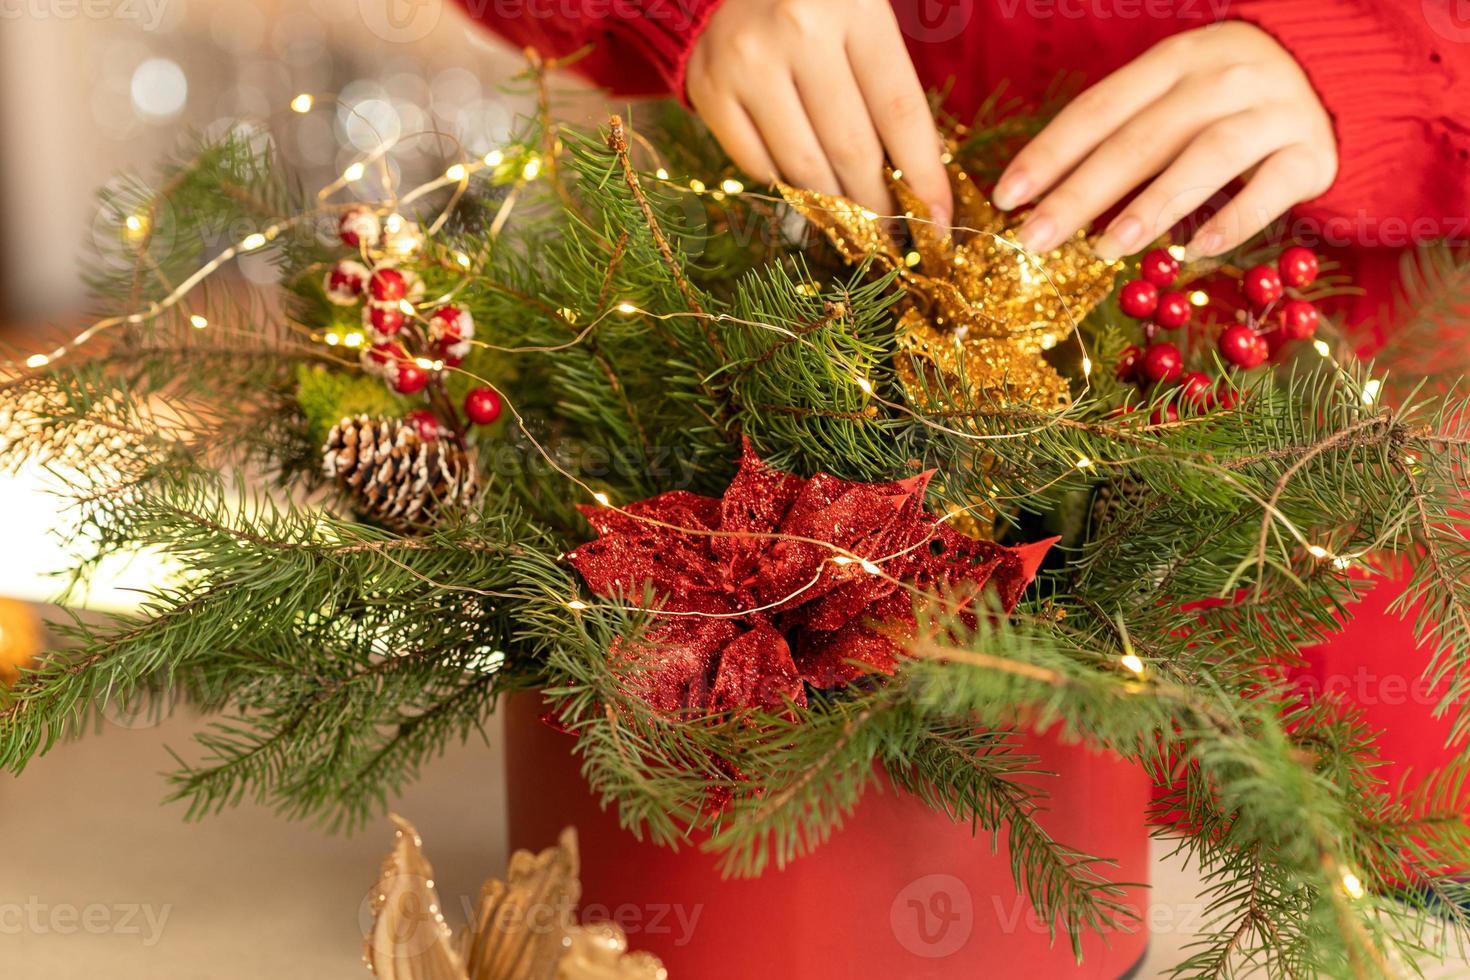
pixel 979 310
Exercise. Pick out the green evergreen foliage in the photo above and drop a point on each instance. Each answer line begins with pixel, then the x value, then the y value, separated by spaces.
pixel 639 332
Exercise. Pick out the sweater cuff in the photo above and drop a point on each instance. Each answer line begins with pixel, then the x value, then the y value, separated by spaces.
pixel 665 31
pixel 1373 82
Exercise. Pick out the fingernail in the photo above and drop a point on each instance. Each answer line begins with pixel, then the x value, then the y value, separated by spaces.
pixel 1120 239
pixel 1012 190
pixel 1204 245
pixel 1038 233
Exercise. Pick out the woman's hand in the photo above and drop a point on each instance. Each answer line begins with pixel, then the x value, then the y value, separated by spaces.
pixel 817 92
pixel 1198 110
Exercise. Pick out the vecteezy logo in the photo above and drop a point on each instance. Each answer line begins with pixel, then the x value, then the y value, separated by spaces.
pixel 400 21
pixel 934 916
pixel 933 21
pixel 1450 19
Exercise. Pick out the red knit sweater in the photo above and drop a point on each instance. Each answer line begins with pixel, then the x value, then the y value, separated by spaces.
pixel 1394 74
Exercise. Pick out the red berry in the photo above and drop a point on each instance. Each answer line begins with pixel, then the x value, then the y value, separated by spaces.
pixel 1173 311
pixel 482 405
pixel 1195 389
pixel 1240 345
pixel 1162 362
pixel 1262 285
pixel 409 378
pixel 451 324
pixel 1227 396
pixel 359 226
pixel 425 422
pixel 1298 266
pixel 1138 298
pixel 380 355
pixel 1159 267
pixel 1127 369
pixel 1167 412
pixel 387 285
pixel 345 282
pixel 383 321
pixel 1298 319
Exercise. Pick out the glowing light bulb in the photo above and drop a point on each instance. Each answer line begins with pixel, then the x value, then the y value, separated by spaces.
pixel 135 224
pixel 1132 663
pixel 1177 252
pixel 602 499
pixel 354 171
pixel 532 169
pixel 627 308
pixel 332 339
pixel 198 322
pixel 870 567
pixel 37 360
pixel 457 172
pixel 353 339
pixel 576 605
pixel 462 259
pixel 1317 551
pixel 405 307
pixel 911 259
pixel 1353 885
pixel 661 174
pixel 424 363
pixel 697 186
pixel 1086 366
pixel 1199 298
pixel 302 102
pixel 864 384
pixel 1083 463
pixel 731 186
pixel 252 242
pixel 1321 348
pixel 1371 387
pixel 494 158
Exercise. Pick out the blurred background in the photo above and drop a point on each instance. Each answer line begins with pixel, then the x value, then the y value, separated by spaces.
pixel 93 88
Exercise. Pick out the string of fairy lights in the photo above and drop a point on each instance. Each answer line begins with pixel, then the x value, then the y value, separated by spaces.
pixel 404 237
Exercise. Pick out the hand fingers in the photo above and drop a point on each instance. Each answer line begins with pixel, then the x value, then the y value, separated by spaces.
pixel 786 130
pixel 1083 124
pixel 846 131
pixel 1221 152
pixel 899 110
pixel 735 131
pixel 1136 151
pixel 1286 177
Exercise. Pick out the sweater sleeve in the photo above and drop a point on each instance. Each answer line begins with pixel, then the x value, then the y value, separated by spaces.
pixel 1393 74
pixel 637 47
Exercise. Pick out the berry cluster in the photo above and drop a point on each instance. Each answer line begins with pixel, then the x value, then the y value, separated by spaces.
pixel 388 291
pixel 1243 345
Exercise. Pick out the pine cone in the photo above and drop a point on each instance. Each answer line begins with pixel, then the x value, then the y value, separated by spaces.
pixel 393 476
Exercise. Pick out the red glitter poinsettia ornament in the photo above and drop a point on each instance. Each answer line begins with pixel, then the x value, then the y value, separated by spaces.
pixel 751 613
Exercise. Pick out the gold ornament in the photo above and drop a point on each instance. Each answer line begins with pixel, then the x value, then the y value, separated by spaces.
pixel 523 928
pixel 979 310
pixel 20 639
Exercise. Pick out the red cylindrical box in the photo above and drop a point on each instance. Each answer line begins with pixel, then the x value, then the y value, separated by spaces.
pixel 900 892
